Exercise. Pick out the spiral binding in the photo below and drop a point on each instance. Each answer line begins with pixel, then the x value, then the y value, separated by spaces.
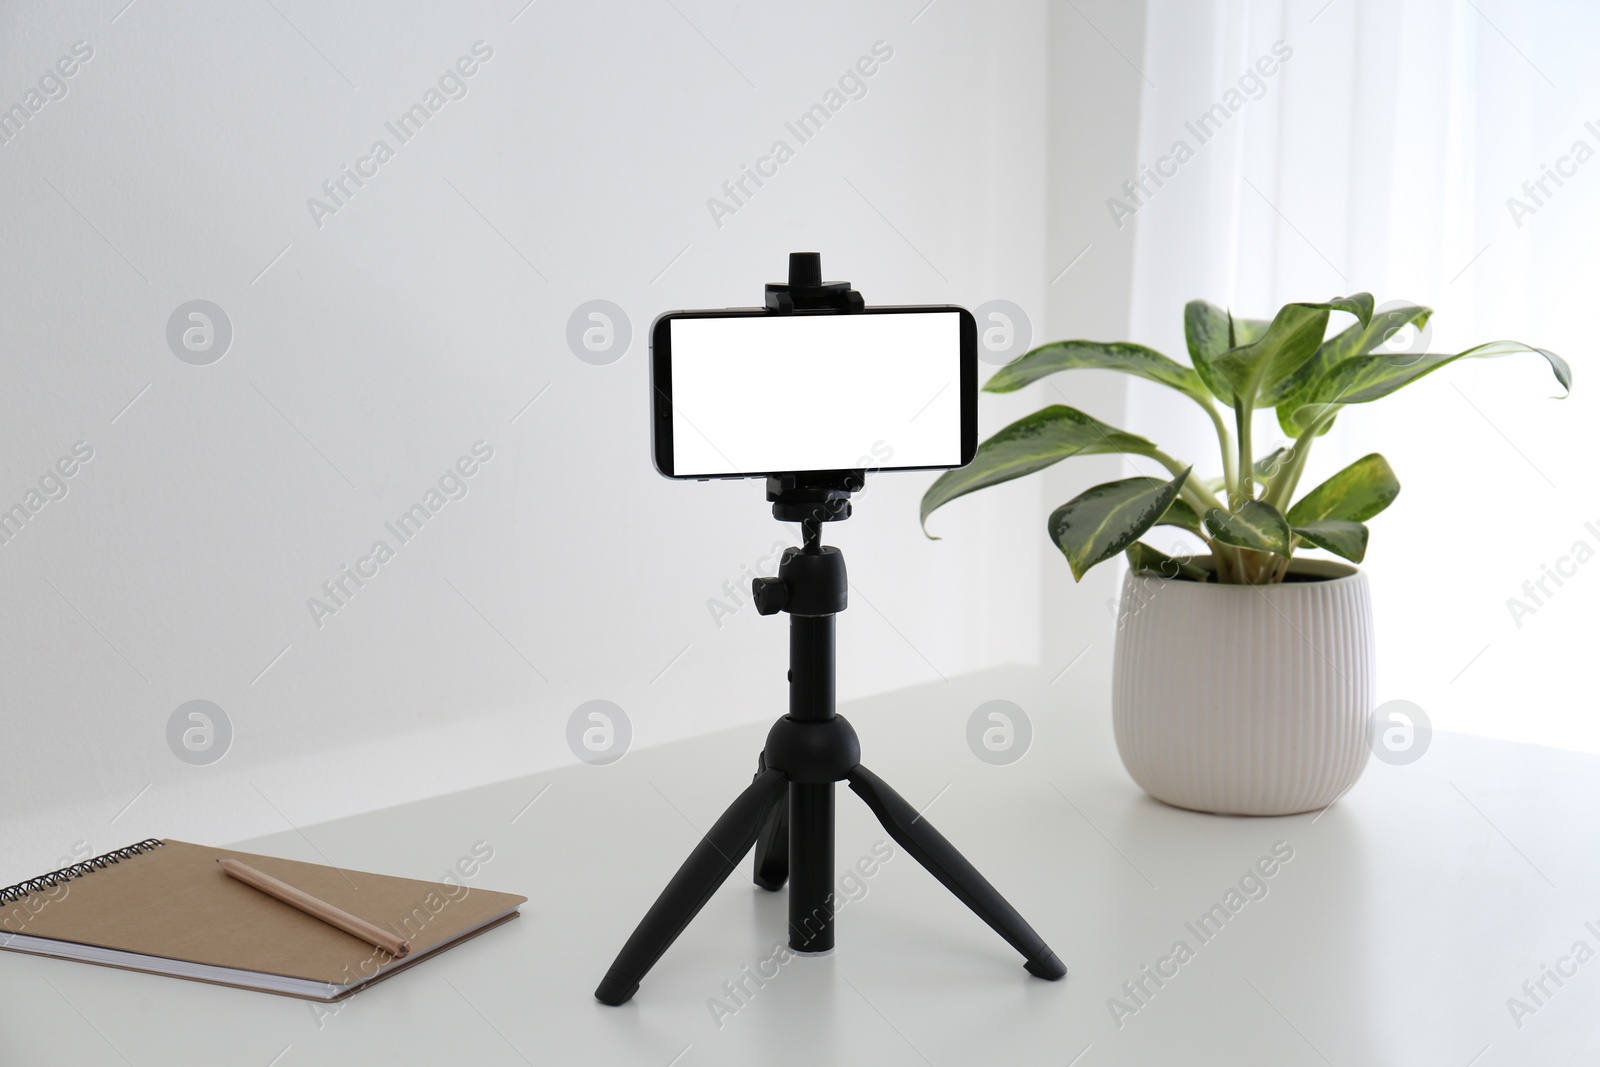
pixel 13 893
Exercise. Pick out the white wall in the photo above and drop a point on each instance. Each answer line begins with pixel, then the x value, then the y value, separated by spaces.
pixel 372 350
pixel 1094 92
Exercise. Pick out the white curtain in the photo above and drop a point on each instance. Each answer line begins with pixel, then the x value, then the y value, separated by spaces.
pixel 1385 146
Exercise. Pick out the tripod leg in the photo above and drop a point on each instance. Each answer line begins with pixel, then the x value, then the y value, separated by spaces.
pixel 707 867
pixel 929 848
pixel 772 846
pixel 811 903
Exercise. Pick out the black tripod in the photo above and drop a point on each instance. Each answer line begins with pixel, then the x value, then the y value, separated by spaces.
pixel 787 811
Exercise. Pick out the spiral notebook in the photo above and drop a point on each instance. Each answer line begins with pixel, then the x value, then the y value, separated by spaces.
pixel 166 907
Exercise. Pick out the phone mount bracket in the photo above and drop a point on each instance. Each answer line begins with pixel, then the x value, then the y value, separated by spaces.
pixel 812 497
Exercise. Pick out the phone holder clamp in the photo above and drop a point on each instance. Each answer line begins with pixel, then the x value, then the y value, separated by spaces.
pixel 806 291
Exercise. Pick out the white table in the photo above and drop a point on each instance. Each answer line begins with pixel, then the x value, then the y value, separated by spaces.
pixel 1409 914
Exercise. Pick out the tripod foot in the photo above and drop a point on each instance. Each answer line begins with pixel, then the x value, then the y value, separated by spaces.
pixel 615 989
pixel 1049 967
pixel 929 848
pixel 707 867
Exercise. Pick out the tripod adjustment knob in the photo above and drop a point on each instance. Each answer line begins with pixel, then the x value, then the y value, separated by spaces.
pixel 769 594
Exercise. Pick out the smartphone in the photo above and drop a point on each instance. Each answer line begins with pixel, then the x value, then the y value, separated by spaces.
pixel 746 393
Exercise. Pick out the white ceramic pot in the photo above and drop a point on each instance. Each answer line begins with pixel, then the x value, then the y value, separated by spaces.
pixel 1245 700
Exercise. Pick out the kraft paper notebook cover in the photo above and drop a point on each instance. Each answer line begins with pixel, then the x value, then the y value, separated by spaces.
pixel 166 907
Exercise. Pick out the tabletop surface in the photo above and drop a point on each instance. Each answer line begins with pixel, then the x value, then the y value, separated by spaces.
pixel 1444 912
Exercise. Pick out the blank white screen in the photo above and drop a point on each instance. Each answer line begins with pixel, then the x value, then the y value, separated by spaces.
pixel 758 394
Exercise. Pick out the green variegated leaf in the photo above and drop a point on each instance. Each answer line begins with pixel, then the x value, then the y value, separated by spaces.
pixel 1141 557
pixel 1309 414
pixel 1211 331
pixel 1256 525
pixel 1268 465
pixel 1100 522
pixel 1076 355
pixel 1249 331
pixel 1357 340
pixel 1355 494
pixel 1363 379
pixel 1181 515
pixel 1339 536
pixel 1205 328
pixel 1027 445
pixel 1258 369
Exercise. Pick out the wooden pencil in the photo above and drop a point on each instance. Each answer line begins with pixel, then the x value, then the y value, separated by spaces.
pixel 321 909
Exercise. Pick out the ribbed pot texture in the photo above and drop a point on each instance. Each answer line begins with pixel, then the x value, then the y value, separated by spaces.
pixel 1245 700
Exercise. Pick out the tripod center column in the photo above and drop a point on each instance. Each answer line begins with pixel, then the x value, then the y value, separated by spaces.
pixel 811 668
pixel 817 590
pixel 811 663
pixel 811 699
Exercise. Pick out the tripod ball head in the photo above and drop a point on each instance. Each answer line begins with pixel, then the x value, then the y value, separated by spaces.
pixel 810 582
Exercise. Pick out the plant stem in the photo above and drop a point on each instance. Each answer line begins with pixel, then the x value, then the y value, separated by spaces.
pixel 1281 487
pixel 1224 564
pixel 1244 415
pixel 1230 468
pixel 1197 494
pixel 1250 571
pixel 1230 564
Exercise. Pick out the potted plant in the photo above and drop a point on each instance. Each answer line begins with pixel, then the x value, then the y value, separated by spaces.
pixel 1243 678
